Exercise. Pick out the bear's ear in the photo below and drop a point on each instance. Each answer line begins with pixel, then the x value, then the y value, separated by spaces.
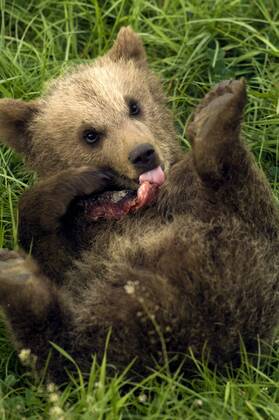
pixel 15 117
pixel 128 46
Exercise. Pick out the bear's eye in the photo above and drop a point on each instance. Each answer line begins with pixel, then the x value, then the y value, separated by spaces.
pixel 91 136
pixel 134 108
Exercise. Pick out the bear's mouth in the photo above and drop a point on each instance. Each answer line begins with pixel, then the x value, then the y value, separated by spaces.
pixel 113 205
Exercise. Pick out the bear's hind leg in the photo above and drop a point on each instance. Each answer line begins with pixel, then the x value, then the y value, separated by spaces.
pixel 223 163
pixel 34 309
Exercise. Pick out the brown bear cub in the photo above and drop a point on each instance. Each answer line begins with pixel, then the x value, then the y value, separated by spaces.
pixel 163 250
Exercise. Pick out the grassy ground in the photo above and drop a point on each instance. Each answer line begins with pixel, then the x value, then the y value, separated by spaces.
pixel 192 45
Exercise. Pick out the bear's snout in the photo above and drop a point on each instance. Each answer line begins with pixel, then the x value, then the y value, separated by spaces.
pixel 144 157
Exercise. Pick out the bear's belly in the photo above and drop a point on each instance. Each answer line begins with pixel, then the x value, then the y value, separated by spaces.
pixel 152 244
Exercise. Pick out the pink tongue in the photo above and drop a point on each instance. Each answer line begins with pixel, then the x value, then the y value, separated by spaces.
pixel 156 176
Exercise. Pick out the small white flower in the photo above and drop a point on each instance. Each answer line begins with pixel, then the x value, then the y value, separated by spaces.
pixel 53 397
pixel 130 288
pixel 51 387
pixel 24 356
pixel 56 411
pixel 198 403
pixel 142 398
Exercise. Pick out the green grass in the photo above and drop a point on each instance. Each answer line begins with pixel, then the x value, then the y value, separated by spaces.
pixel 191 45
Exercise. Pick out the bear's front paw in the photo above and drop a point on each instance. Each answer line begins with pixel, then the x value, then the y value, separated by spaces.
pixel 43 206
pixel 86 181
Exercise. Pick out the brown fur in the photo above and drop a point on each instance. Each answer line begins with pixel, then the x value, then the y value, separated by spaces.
pixel 199 269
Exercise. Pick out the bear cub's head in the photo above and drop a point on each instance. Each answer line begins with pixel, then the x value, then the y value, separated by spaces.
pixel 110 113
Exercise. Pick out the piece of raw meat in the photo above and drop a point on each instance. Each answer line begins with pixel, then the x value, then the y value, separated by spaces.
pixel 112 205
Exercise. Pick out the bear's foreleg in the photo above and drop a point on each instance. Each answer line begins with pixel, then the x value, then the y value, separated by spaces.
pixel 42 229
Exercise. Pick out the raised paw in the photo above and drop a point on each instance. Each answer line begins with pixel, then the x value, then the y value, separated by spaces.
pixel 214 132
pixel 219 113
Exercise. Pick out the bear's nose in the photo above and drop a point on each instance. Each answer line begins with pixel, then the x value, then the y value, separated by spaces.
pixel 144 157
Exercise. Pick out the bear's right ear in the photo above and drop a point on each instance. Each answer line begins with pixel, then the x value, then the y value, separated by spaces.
pixel 15 117
pixel 128 46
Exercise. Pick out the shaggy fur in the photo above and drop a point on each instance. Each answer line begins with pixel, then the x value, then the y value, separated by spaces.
pixel 198 269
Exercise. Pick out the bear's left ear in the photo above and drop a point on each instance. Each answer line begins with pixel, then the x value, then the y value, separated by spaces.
pixel 128 46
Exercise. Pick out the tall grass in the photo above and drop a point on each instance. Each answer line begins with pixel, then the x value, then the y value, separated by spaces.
pixel 191 45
